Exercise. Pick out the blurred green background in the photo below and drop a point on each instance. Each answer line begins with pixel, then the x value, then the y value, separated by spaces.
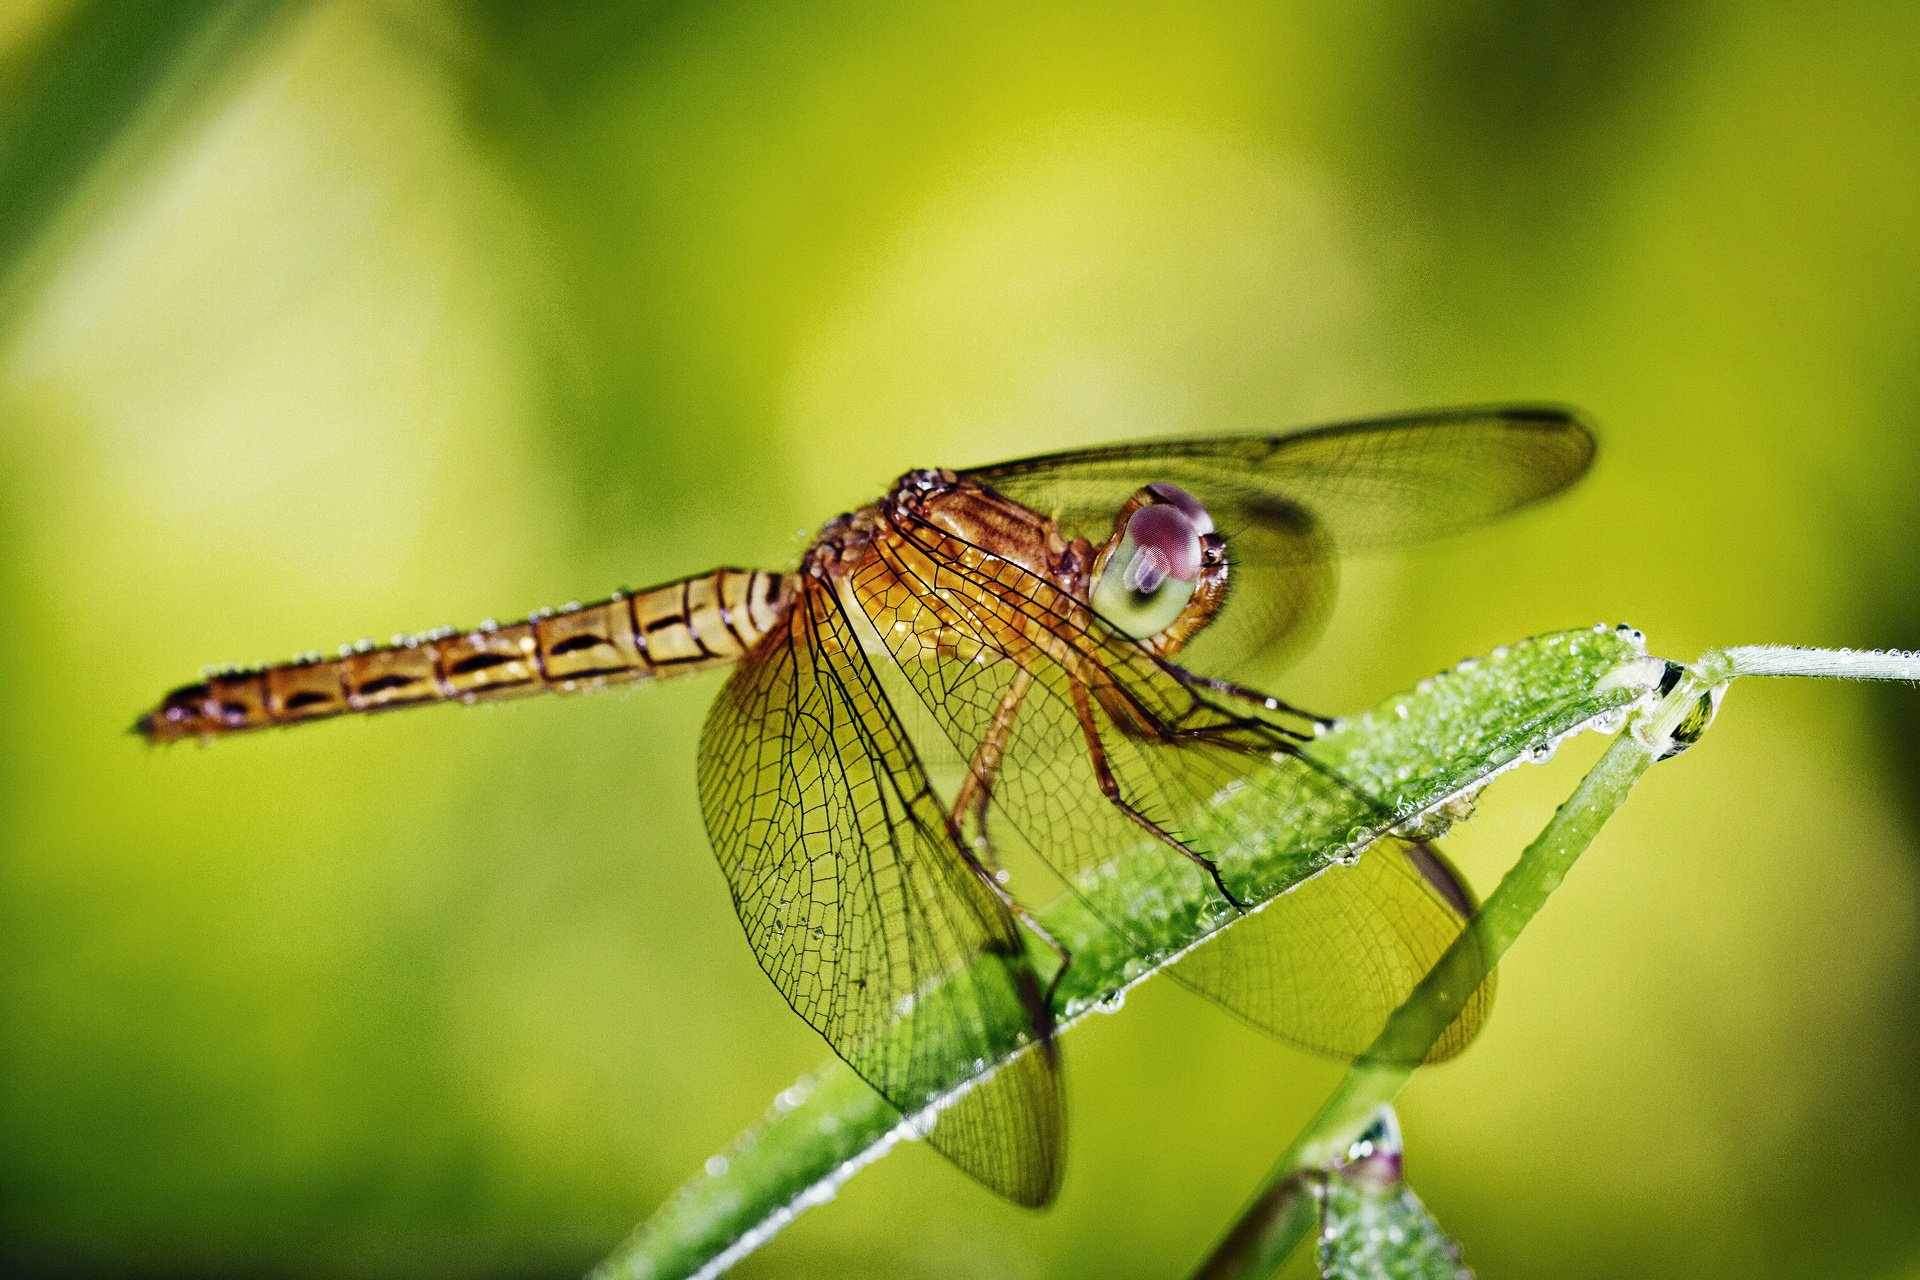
pixel 321 321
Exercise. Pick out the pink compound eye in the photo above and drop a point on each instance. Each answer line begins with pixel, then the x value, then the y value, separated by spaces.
pixel 1188 505
pixel 1154 569
pixel 1169 546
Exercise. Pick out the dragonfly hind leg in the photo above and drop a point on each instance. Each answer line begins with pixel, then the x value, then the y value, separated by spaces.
pixel 1032 926
pixel 977 789
pixel 1110 788
pixel 973 802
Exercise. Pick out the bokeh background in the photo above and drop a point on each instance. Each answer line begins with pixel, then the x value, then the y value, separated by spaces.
pixel 330 320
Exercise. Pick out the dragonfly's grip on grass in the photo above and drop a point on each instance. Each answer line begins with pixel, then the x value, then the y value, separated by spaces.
pixel 1416 753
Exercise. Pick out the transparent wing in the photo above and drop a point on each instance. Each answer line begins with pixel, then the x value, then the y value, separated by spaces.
pixel 863 909
pixel 1327 962
pixel 1375 483
pixel 1095 712
pixel 1289 503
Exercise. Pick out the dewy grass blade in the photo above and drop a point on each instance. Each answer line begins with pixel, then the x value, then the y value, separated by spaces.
pixel 1260 1240
pixel 1447 737
pixel 1270 1226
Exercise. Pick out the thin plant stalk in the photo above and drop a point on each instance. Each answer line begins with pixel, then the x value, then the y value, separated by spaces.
pixel 1280 1213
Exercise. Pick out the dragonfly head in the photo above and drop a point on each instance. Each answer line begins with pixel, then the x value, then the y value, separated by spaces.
pixel 924 482
pixel 1162 575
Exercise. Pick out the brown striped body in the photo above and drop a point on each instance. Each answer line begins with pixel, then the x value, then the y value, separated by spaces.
pixel 693 625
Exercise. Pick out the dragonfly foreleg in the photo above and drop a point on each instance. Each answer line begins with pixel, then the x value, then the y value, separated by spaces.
pixel 1249 735
pixel 1110 788
pixel 1242 693
pixel 1202 720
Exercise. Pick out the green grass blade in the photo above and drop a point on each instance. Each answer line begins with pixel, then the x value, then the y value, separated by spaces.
pixel 1260 1239
pixel 1451 734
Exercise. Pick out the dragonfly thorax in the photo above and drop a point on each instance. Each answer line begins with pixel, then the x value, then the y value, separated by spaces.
pixel 985 525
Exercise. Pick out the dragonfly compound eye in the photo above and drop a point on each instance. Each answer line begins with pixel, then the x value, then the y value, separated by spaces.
pixel 1151 575
pixel 1189 506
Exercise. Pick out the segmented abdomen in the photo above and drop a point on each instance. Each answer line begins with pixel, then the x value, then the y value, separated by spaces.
pixel 693 625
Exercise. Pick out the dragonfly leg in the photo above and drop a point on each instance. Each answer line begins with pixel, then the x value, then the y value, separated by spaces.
pixel 1053 944
pixel 1244 694
pixel 1252 734
pixel 1034 927
pixel 1110 788
pixel 977 862
pixel 972 800
pixel 984 768
pixel 1247 734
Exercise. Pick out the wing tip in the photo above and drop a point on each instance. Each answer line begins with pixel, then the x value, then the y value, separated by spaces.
pixel 1563 419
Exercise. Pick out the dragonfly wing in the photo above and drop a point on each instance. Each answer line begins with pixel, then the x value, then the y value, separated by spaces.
pixel 1288 503
pixel 1098 712
pixel 1335 949
pixel 863 909
pixel 1374 483
pixel 1326 963
pixel 1280 586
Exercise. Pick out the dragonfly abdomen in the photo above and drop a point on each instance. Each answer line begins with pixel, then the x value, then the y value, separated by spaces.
pixel 684 627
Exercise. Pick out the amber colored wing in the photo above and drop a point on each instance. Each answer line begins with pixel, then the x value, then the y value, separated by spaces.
pixel 1219 777
pixel 863 909
pixel 1327 962
pixel 1289 503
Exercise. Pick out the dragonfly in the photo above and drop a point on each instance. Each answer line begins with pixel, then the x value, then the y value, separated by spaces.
pixel 1069 630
